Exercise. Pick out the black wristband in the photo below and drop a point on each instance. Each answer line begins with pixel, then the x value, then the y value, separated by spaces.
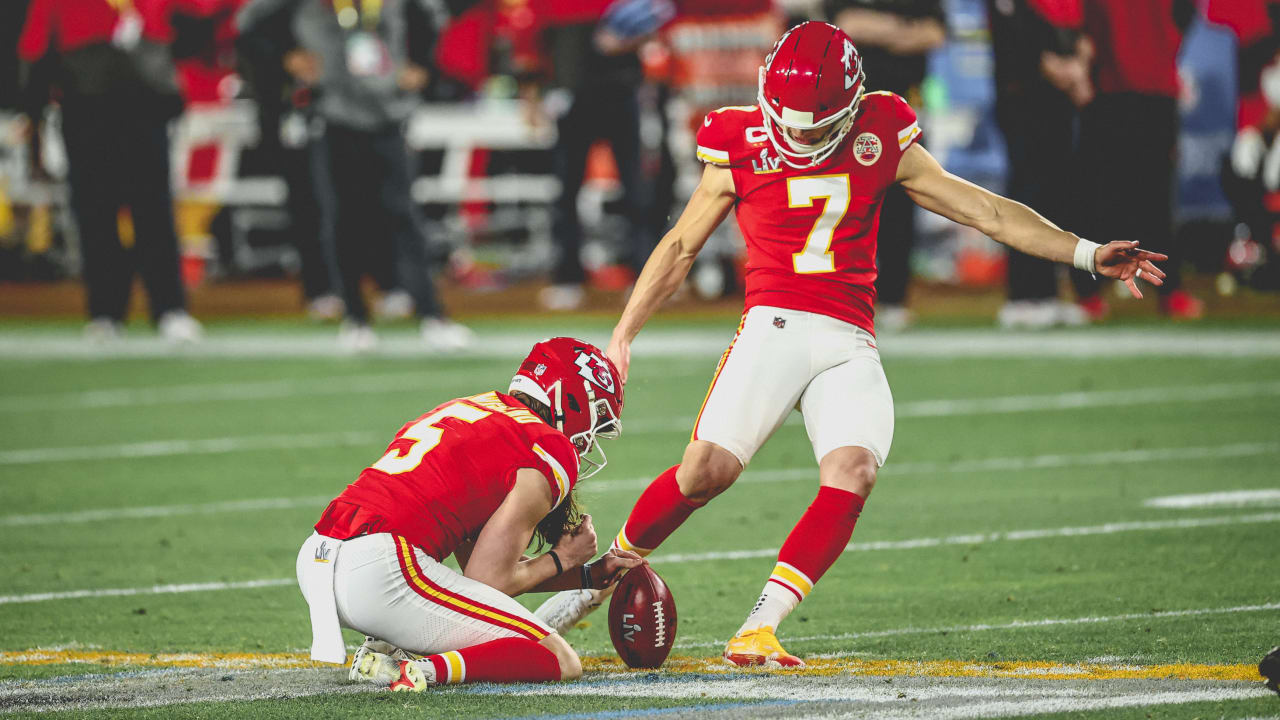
pixel 586 576
pixel 556 559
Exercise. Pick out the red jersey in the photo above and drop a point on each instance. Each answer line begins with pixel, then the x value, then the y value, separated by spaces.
pixel 446 473
pixel 1137 44
pixel 811 234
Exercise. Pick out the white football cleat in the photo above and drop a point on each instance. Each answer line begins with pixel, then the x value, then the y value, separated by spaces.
pixel 326 308
pixel 568 296
pixel 177 326
pixel 413 676
pixel 1028 314
pixel 374 667
pixel 102 330
pixel 395 305
pixel 447 335
pixel 893 318
pixel 378 661
pixel 567 608
pixel 356 337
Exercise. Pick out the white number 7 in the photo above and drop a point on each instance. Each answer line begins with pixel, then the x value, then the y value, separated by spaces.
pixel 816 256
pixel 426 436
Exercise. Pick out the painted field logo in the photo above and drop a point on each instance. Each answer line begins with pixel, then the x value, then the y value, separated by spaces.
pixel 866 148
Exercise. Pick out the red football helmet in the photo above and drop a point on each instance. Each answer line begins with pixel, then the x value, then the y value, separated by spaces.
pixel 812 79
pixel 583 390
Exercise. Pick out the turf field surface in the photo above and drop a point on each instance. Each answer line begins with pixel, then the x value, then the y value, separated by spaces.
pixel 1033 545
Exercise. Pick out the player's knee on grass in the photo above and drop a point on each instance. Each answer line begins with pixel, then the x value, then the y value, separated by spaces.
pixel 706 471
pixel 570 665
pixel 849 468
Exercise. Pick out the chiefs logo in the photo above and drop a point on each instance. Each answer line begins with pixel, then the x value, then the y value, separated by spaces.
pixel 867 148
pixel 596 370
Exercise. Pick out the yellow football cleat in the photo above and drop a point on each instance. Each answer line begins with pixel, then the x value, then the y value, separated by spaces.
pixel 759 647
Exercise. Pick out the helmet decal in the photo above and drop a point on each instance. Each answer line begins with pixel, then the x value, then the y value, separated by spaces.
pixel 850 69
pixel 591 367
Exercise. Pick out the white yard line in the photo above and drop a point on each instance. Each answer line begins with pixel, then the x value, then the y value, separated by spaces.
pixel 870 696
pixel 422 382
pixel 925 408
pixel 1015 625
pixel 656 342
pixel 984 538
pixel 1229 498
pixel 206 446
pixel 224 391
pixel 911 544
pixel 999 464
pixel 1049 402
pixel 159 511
pixel 150 590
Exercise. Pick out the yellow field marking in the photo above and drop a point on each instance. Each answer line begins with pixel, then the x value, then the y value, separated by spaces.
pixel 960 668
pixel 688 665
pixel 230 661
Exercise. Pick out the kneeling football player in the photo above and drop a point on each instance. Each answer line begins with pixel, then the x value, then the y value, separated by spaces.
pixel 477 478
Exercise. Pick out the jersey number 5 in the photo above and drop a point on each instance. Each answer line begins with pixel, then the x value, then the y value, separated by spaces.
pixel 816 256
pixel 426 436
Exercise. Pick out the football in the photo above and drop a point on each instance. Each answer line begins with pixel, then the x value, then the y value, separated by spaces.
pixel 642 619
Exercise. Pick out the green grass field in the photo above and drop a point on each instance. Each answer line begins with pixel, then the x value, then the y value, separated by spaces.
pixel 1010 526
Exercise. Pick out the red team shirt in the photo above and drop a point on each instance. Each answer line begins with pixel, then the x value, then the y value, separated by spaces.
pixel 446 473
pixel 811 234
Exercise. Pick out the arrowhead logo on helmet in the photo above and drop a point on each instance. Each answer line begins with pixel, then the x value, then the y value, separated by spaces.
pixel 812 80
pixel 579 384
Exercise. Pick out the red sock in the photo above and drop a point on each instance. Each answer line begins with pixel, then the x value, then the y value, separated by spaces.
pixel 818 539
pixel 811 548
pixel 659 511
pixel 505 660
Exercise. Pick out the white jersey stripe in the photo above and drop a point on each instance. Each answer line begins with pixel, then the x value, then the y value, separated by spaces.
pixel 718 157
pixel 907 134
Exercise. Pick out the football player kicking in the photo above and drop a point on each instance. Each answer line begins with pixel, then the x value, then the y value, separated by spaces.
pixel 806 169
pixel 476 478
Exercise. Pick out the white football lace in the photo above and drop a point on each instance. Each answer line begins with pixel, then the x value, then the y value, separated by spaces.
pixel 659 624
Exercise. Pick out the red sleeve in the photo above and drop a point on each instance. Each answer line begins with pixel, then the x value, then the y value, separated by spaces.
pixel 715 137
pixel 1060 13
pixel 900 118
pixel 558 461
pixel 37 31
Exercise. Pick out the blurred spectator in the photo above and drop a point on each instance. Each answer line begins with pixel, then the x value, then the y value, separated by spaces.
pixel 1251 174
pixel 1128 139
pixel 595 76
pixel 286 146
pixel 118 93
pixel 354 57
pixel 1041 74
pixel 894 37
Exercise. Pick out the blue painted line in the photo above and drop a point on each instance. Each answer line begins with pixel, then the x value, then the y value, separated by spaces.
pixel 658 712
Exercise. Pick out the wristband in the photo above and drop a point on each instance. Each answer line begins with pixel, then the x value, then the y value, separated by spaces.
pixel 1084 256
pixel 556 559
pixel 586 576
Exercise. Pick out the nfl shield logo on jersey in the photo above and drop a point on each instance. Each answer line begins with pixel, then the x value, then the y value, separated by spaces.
pixel 866 148
pixel 779 322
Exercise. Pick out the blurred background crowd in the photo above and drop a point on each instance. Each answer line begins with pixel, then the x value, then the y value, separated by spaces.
pixel 380 152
